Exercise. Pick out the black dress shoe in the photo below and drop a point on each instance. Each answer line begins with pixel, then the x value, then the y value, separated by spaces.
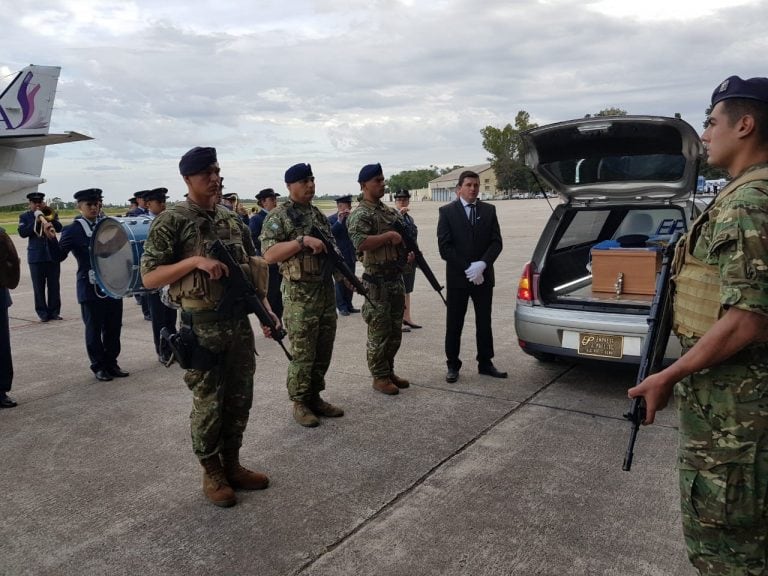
pixel 491 371
pixel 117 372
pixel 103 375
pixel 7 402
pixel 56 318
pixel 354 310
pixel 452 376
pixel 411 325
pixel 344 312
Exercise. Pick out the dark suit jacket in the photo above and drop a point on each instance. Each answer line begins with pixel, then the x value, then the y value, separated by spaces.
pixel 460 243
pixel 343 241
pixel 255 224
pixel 74 239
pixel 38 249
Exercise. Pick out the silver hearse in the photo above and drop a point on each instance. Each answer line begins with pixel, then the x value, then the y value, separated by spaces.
pixel 627 184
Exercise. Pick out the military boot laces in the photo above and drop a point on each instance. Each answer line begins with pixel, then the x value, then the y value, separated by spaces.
pixel 303 414
pixel 215 485
pixel 399 382
pixel 322 408
pixel 239 477
pixel 384 385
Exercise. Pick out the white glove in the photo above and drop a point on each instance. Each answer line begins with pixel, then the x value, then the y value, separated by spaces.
pixel 38 213
pixel 479 280
pixel 475 271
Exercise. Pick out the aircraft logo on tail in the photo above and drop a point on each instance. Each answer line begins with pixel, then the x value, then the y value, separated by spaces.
pixel 26 99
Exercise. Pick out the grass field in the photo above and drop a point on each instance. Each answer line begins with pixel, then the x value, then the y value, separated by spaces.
pixel 10 220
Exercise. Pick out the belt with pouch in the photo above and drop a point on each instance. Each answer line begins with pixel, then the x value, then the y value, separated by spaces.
pixel 382 277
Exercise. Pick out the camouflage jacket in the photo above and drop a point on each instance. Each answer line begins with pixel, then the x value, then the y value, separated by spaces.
pixel 372 219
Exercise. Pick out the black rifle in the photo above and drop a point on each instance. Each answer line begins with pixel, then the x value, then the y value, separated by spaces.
pixel 413 246
pixel 336 259
pixel 241 291
pixel 655 344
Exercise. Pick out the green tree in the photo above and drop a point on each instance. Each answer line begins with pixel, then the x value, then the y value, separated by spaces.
pixel 611 112
pixel 506 153
pixel 416 179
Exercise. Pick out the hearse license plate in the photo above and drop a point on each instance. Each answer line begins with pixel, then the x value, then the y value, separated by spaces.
pixel 602 345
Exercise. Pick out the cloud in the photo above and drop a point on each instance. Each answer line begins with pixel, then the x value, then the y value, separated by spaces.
pixel 340 84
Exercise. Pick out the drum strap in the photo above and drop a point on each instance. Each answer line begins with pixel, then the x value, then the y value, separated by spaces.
pixel 87 226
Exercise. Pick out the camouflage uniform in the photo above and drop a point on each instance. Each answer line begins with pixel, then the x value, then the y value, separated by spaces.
pixel 309 299
pixel 723 410
pixel 222 395
pixel 383 277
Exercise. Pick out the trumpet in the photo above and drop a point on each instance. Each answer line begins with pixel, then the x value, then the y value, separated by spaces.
pixel 43 219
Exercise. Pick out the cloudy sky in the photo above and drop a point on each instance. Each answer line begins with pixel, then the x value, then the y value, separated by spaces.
pixel 339 84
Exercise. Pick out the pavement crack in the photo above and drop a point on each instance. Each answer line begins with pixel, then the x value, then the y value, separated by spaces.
pixel 400 496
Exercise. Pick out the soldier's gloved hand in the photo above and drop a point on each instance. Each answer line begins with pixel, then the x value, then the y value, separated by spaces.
pixel 478 280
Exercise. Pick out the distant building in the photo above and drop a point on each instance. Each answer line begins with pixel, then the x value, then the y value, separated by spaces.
pixel 443 188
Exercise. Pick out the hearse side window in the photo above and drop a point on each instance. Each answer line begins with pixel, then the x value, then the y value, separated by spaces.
pixel 584 228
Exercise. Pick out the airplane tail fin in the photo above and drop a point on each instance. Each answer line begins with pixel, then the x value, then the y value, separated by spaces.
pixel 27 103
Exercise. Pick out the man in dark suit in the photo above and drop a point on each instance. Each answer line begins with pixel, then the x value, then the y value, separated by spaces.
pixel 43 268
pixel 267 201
pixel 469 239
pixel 102 315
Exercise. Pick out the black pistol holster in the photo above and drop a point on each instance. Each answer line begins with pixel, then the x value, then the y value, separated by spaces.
pixel 186 349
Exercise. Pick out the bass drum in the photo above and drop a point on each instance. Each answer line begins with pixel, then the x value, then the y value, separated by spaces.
pixel 116 248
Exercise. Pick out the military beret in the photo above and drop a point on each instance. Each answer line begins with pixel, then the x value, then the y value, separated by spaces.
pixel 197 160
pixel 298 172
pixel 735 87
pixel 88 194
pixel 346 199
pixel 156 194
pixel 266 193
pixel 402 194
pixel 368 172
pixel 35 196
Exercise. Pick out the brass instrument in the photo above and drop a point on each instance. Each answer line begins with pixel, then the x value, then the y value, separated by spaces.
pixel 43 218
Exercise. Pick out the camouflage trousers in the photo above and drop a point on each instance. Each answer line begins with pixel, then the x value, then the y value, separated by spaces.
pixel 309 315
pixel 723 465
pixel 222 396
pixel 385 324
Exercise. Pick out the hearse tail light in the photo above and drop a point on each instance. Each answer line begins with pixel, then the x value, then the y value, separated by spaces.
pixel 525 285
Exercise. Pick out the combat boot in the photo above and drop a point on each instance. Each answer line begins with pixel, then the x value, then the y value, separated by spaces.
pixel 303 414
pixel 239 477
pixel 384 385
pixel 215 485
pixel 322 408
pixel 399 382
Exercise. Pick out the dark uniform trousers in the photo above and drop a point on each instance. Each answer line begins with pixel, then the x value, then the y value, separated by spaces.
pixel 6 361
pixel 103 319
pixel 46 274
pixel 162 317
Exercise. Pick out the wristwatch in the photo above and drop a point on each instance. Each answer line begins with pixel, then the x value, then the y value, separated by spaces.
pixel 300 240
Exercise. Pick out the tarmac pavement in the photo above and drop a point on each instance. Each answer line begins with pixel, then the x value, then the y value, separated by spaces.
pixel 481 477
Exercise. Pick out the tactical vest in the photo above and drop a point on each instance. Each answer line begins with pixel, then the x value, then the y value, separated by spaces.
pixel 387 257
pixel 303 266
pixel 697 284
pixel 196 290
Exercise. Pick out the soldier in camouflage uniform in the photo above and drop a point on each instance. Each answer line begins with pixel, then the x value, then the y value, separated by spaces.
pixel 721 317
pixel 309 301
pixel 221 378
pixel 383 255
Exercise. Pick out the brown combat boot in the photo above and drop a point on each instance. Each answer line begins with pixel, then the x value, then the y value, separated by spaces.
pixel 399 382
pixel 241 478
pixel 385 386
pixel 303 414
pixel 322 408
pixel 215 485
